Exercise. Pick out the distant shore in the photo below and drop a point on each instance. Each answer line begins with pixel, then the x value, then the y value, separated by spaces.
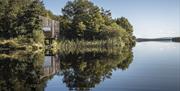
pixel 166 39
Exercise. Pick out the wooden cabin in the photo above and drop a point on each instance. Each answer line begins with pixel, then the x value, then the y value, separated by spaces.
pixel 50 28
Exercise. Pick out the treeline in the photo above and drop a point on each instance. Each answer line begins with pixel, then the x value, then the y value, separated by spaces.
pixel 83 20
pixel 176 39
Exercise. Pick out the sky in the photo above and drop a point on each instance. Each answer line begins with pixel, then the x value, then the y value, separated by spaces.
pixel 150 18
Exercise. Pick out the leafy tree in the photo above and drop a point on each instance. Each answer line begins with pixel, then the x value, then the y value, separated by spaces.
pixel 124 23
pixel 83 20
pixel 20 17
pixel 3 4
pixel 106 14
pixel 8 18
pixel 82 14
pixel 49 14
pixel 9 11
pixel 30 18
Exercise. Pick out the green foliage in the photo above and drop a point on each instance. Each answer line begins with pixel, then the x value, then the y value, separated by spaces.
pixel 124 23
pixel 106 14
pixel 21 18
pixel 49 14
pixel 8 18
pixel 83 20
pixel 82 17
pixel 29 20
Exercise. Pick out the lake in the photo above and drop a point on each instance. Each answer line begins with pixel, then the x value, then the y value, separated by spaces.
pixel 149 66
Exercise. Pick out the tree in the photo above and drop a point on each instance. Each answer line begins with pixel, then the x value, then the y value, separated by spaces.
pixel 82 13
pixel 30 17
pixel 84 20
pixel 9 12
pixel 8 18
pixel 106 14
pixel 20 17
pixel 3 4
pixel 124 23
pixel 34 24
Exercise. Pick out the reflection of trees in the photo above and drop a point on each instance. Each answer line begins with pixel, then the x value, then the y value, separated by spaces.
pixel 21 72
pixel 84 70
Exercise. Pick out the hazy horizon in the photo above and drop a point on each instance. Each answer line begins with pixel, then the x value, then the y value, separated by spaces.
pixel 150 18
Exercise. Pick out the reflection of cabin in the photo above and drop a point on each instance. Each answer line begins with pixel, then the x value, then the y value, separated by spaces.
pixel 51 66
pixel 50 27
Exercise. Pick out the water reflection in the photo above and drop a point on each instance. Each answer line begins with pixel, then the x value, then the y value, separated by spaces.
pixel 80 70
pixel 21 71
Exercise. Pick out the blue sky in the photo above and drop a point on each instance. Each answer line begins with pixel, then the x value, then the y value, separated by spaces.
pixel 150 18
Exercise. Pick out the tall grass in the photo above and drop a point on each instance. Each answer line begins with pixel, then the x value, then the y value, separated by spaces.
pixel 114 45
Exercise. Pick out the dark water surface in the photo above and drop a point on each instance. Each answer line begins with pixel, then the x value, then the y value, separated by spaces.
pixel 149 66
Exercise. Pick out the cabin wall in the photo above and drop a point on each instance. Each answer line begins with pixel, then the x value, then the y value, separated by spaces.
pixel 50 27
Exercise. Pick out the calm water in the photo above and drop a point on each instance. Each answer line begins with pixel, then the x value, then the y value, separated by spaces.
pixel 150 66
